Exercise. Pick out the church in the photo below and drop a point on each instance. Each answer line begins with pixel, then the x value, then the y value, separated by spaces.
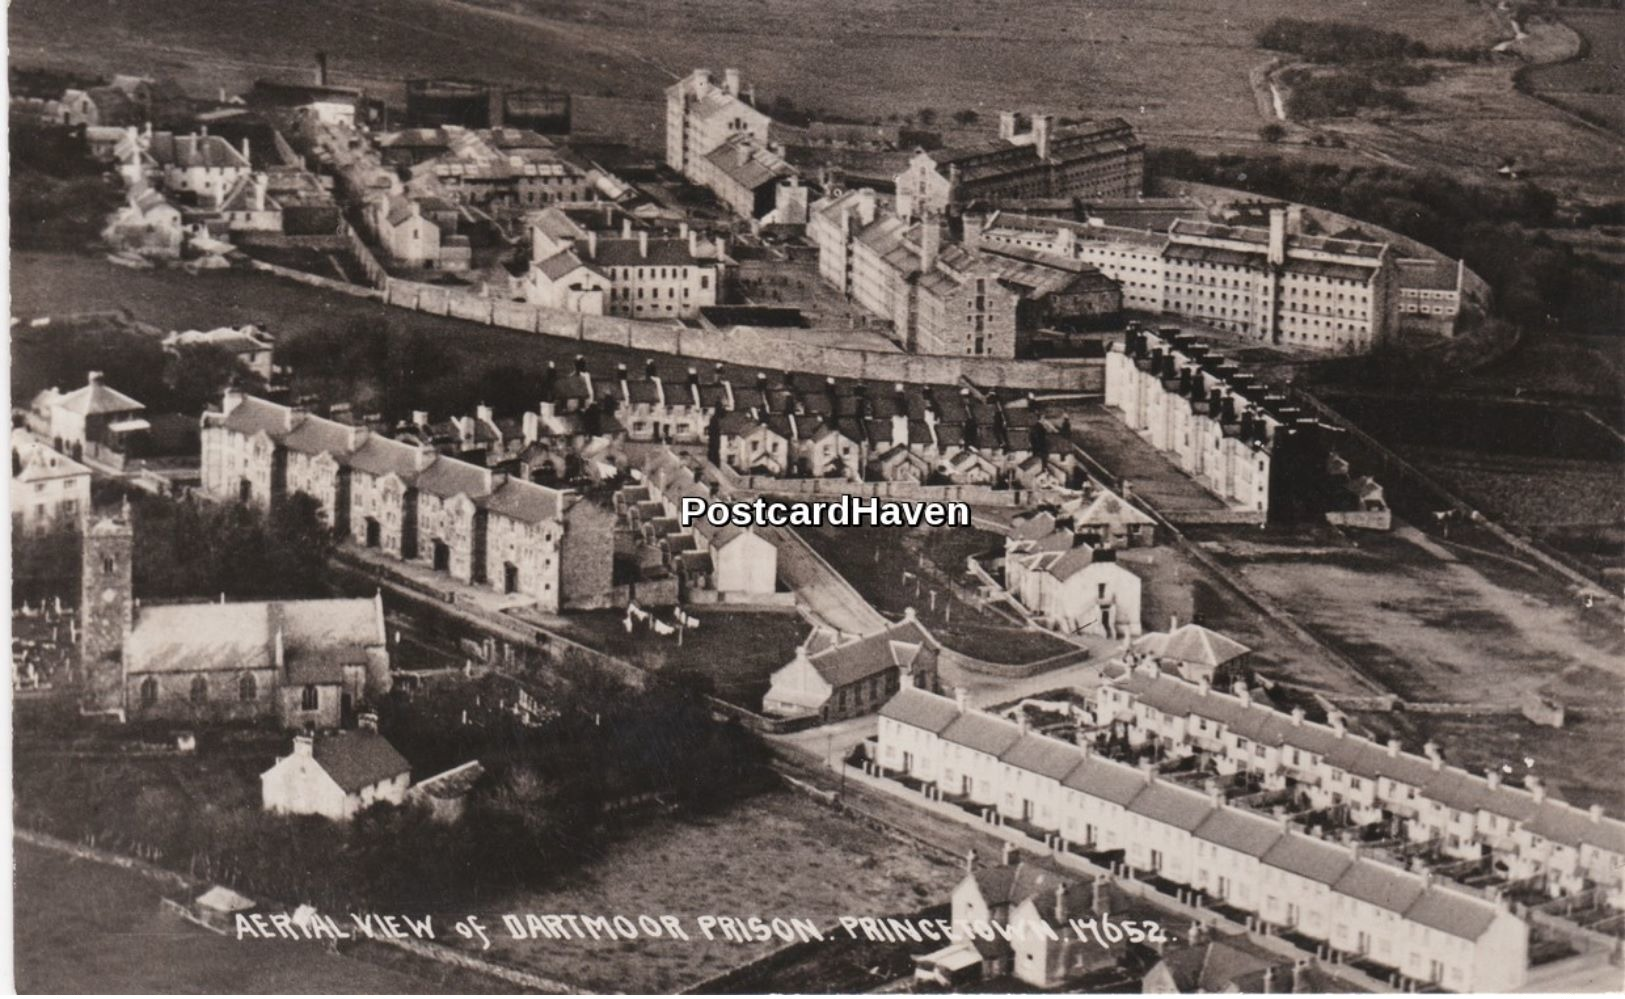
pixel 308 664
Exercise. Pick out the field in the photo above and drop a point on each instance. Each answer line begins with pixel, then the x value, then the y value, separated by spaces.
pixel 90 928
pixel 868 60
pixel 735 651
pixel 1436 621
pixel 1592 85
pixel 776 855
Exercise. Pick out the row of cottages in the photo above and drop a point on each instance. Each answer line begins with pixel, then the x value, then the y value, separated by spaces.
pixel 1217 423
pixel 1428 931
pixel 734 562
pixel 1276 285
pixel 1526 831
pixel 48 489
pixel 1040 903
pixel 420 231
pixel 305 663
pixel 938 298
pixel 834 677
pixel 578 267
pixel 1068 584
pixel 479 526
pixel 1101 159
pixel 124 100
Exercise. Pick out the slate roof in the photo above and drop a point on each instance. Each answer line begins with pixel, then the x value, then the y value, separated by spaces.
pixel 1105 779
pixel 897 646
pixel 1192 643
pixel 1309 858
pixel 1172 805
pixel 526 501
pixel 920 709
pixel 96 399
pixel 1043 755
pixel 1379 884
pixel 211 637
pixel 1452 912
pixel 1240 831
pixel 358 758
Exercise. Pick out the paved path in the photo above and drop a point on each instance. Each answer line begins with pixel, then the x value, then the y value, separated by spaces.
pixel 825 593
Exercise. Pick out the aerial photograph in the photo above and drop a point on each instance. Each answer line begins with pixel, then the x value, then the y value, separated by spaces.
pixel 817 496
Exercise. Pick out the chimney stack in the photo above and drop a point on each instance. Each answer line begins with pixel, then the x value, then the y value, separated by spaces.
pixel 730 82
pixel 1060 903
pixel 321 69
pixel 245 150
pixel 1007 125
pixel 930 242
pixel 260 183
pixel 962 698
pixel 643 243
pixel 1007 854
pixel 1042 124
pixel 1277 253
pixel 304 745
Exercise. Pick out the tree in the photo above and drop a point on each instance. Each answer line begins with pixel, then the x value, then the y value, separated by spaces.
pixel 926 116
pixel 1272 132
pixel 966 117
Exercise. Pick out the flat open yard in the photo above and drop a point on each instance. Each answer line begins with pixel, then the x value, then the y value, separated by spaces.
pixel 87 927
pixel 1436 622
pixel 776 855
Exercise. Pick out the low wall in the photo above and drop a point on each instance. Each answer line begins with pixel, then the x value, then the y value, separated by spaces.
pixel 760 723
pixel 316 280
pixel 746 346
pixel 972 494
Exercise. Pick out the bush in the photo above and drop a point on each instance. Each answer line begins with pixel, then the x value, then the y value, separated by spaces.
pixel 1273 132
pixel 1337 41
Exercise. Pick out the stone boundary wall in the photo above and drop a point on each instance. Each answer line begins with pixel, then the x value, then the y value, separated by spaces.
pixel 316 280
pixel 972 494
pixel 743 345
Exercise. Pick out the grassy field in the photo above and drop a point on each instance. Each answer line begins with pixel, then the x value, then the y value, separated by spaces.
pixel 870 59
pixel 1592 85
pixel 777 855
pixel 1434 621
pixel 89 928
pixel 735 651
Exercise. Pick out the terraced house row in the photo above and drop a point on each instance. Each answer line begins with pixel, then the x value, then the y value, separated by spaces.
pixel 1219 424
pixel 477 525
pixel 1531 833
pixel 1074 799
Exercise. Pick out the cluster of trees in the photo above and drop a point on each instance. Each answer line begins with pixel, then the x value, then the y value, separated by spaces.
pixel 392 372
pixel 1538 281
pixel 1338 41
pixel 1338 94
pixel 538 816
pixel 184 380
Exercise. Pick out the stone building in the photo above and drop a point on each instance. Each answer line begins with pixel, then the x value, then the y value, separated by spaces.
pixel 47 487
pixel 703 113
pixel 938 297
pixel 304 663
pixel 837 679
pixel 1103 159
pixel 1063 795
pixel 336 775
pixel 1276 285
pixel 479 526
pixel 577 267
pixel 1240 439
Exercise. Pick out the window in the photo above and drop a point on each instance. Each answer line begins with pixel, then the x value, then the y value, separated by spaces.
pixel 247 689
pixel 200 690
pixel 149 692
pixel 311 699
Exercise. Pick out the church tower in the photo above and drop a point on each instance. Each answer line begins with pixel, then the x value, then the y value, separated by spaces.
pixel 106 611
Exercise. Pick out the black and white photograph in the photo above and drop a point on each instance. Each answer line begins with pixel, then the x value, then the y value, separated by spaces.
pixel 823 497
